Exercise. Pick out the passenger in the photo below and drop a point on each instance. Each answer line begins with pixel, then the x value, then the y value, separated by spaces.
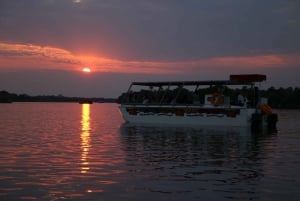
pixel 145 101
pixel 242 100
pixel 173 102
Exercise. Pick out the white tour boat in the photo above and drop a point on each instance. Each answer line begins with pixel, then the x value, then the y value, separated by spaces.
pixel 199 103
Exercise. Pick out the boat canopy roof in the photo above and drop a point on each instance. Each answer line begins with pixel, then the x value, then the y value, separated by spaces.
pixel 247 79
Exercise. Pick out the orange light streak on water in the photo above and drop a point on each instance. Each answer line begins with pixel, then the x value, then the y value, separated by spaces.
pixel 85 137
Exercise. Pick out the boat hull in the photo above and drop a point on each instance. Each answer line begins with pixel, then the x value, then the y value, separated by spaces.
pixel 187 116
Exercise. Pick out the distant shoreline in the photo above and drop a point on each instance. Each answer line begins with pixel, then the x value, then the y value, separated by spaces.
pixel 6 97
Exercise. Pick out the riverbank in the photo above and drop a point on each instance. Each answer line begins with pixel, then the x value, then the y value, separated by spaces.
pixel 6 97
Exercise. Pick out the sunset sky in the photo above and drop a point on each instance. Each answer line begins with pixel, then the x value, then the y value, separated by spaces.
pixel 45 44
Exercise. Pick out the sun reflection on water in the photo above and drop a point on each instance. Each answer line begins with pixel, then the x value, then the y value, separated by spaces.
pixel 85 137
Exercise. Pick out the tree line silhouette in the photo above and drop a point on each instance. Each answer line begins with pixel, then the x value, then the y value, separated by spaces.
pixel 288 98
pixel 6 97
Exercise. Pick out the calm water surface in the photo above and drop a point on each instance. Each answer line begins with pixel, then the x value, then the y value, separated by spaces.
pixel 68 151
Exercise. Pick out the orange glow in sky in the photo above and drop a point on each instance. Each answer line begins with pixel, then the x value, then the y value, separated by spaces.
pixel 22 56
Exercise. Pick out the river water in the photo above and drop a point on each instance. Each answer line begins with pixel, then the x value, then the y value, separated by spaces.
pixel 68 151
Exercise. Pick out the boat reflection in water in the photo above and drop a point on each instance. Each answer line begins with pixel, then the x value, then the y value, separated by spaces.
pixel 85 137
pixel 188 161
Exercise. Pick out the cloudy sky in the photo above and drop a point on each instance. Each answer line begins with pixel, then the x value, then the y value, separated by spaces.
pixel 45 44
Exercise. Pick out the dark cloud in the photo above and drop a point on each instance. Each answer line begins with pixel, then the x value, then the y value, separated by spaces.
pixel 160 30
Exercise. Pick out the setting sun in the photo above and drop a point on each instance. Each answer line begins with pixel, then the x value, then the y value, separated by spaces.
pixel 86 70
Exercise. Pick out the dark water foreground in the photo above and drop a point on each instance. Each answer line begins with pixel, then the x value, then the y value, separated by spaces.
pixel 55 151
